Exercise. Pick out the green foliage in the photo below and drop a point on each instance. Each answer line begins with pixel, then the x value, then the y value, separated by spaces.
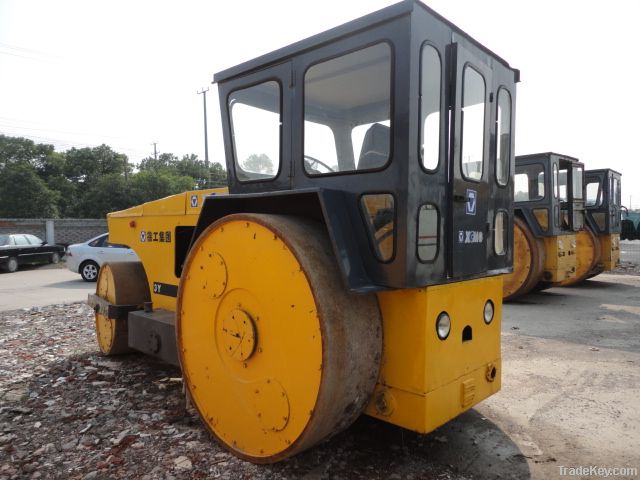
pixel 68 198
pixel 165 162
pixel 23 150
pixel 190 166
pixel 37 181
pixel 218 175
pixel 146 185
pixel 86 164
pixel 107 193
pixel 25 195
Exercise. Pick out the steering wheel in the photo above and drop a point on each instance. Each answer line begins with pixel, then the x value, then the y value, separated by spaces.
pixel 310 161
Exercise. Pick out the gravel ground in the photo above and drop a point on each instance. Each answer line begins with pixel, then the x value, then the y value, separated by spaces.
pixel 627 268
pixel 68 412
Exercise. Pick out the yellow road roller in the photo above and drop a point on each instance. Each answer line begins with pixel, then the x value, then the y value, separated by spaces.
pixel 355 265
pixel 549 210
pixel 603 216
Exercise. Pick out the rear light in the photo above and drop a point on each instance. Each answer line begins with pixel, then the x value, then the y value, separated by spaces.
pixel 443 325
pixel 488 312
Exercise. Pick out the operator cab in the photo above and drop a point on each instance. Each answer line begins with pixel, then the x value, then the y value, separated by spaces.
pixel 549 193
pixel 603 202
pixel 395 130
pixel 604 214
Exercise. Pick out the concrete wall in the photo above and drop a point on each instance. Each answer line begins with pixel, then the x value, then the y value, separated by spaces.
pixel 60 230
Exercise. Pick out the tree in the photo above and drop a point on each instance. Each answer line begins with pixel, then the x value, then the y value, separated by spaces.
pixel 91 182
pixel 18 149
pixel 51 165
pixel 146 185
pixel 107 193
pixel 24 194
pixel 190 165
pixel 164 162
pixel 87 164
pixel 218 175
pixel 258 164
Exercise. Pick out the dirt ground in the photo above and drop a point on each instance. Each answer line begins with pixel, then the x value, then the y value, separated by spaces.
pixel 571 383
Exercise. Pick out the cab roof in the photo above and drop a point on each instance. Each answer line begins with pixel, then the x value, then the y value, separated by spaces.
pixel 406 7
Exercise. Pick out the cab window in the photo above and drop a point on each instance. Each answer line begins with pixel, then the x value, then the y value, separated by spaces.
pixel 430 74
pixel 593 194
pixel 255 124
pixel 577 182
pixel 473 105
pixel 503 134
pixel 529 183
pixel 614 192
pixel 350 96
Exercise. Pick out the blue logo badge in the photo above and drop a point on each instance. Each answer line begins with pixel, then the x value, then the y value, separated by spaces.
pixel 470 206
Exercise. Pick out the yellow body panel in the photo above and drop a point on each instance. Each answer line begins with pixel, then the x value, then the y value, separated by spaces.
pixel 425 381
pixel 560 259
pixel 610 251
pixel 150 230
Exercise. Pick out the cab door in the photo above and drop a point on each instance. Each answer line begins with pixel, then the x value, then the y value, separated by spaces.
pixel 470 109
pixel 614 204
pixel 257 129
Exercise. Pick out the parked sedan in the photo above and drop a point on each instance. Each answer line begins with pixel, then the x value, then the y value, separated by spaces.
pixel 23 249
pixel 87 258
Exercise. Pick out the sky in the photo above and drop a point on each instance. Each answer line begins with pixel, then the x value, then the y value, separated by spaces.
pixel 126 73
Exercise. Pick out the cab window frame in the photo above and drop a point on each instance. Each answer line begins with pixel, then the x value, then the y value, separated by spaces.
pixel 598 199
pixel 438 235
pixel 543 171
pixel 369 232
pixel 460 160
pixel 502 88
pixel 236 164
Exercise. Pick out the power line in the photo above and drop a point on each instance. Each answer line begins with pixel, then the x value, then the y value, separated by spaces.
pixel 28 53
pixel 26 50
pixel 66 144
pixel 8 125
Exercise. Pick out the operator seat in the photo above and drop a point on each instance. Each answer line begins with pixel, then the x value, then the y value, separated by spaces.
pixel 375 147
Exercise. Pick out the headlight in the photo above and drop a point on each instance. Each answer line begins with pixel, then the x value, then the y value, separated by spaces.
pixel 488 312
pixel 561 244
pixel 443 325
pixel 573 244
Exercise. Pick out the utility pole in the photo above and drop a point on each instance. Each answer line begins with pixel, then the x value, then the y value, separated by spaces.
pixel 155 151
pixel 206 142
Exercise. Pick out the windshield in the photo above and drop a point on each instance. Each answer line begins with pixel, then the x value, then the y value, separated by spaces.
pixel 347 112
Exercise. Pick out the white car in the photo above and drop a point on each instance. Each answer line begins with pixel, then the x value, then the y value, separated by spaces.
pixel 87 258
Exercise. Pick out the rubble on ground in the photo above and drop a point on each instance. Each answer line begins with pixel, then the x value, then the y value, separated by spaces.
pixel 68 412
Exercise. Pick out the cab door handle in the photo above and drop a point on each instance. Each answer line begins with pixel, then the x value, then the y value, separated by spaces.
pixel 460 198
